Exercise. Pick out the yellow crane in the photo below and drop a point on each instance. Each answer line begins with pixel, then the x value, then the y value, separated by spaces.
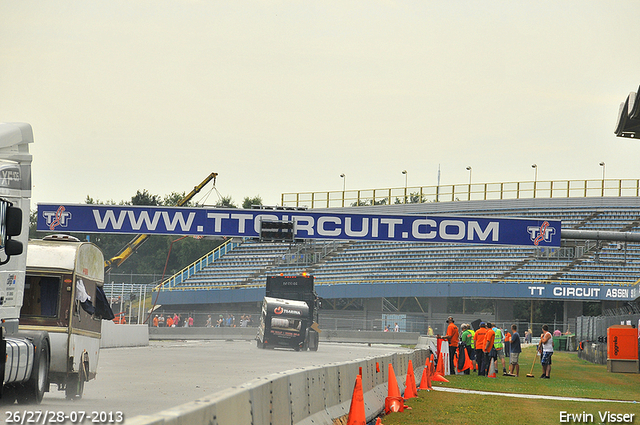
pixel 135 243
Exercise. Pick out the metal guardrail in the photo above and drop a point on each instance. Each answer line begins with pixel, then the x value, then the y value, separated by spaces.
pixel 196 266
pixel 464 192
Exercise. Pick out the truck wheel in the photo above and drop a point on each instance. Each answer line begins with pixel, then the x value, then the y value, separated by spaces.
pixel 314 340
pixel 33 390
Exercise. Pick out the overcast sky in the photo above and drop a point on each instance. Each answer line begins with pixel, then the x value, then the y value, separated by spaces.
pixel 284 96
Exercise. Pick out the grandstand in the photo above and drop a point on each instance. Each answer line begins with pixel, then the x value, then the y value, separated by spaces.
pixel 364 275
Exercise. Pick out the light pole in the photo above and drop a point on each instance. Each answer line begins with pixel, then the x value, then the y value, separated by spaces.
pixel 535 178
pixel 602 164
pixel 470 170
pixel 344 186
pixel 406 176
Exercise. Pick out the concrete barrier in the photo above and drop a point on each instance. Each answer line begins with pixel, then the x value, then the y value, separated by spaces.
pixel 314 395
pixel 248 334
pixel 241 334
pixel 123 335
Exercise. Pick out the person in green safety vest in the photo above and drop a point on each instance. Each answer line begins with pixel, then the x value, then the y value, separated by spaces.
pixel 499 346
pixel 467 339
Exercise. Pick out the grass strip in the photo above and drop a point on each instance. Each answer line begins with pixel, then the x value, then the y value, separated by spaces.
pixel 570 377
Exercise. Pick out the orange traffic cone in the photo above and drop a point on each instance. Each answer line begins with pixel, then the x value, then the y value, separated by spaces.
pixel 357 414
pixel 439 378
pixel 394 401
pixel 393 389
pixel 439 373
pixel 492 370
pixel 424 382
pixel 467 364
pixel 410 390
pixel 440 368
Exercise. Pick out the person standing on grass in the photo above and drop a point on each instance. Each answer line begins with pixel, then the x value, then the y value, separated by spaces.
pixel 489 350
pixel 499 346
pixel 514 352
pixel 469 345
pixel 546 348
pixel 507 343
pixel 479 339
pixel 452 337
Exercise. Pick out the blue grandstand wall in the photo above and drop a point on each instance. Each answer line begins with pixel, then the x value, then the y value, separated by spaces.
pixel 440 289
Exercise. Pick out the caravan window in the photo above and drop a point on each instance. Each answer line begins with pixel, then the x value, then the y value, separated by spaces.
pixel 41 296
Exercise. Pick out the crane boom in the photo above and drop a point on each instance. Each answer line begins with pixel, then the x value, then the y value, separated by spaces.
pixel 138 240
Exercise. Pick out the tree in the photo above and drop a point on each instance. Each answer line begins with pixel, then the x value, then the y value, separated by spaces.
pixel 225 202
pixel 145 198
pixel 247 203
pixel 412 198
pixel 173 198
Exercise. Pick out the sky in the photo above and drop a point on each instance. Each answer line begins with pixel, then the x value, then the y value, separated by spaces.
pixel 285 96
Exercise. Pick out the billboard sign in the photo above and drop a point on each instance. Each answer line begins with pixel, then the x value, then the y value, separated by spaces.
pixel 87 218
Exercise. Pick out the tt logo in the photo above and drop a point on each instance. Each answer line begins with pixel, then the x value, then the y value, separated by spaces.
pixel 542 233
pixel 58 218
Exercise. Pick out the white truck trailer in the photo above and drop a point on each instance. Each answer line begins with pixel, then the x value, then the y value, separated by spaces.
pixel 24 355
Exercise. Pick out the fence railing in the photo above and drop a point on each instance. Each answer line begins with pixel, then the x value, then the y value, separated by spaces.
pixel 465 192
pixel 591 328
pixel 197 265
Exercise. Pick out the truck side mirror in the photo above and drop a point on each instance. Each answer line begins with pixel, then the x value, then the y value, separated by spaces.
pixel 10 225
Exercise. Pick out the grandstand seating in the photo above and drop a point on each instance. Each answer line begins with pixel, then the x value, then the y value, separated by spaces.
pixel 377 262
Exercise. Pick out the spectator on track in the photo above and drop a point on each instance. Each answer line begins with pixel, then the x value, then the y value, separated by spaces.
pixel 161 320
pixel 190 321
pixel 208 323
pixel 155 321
